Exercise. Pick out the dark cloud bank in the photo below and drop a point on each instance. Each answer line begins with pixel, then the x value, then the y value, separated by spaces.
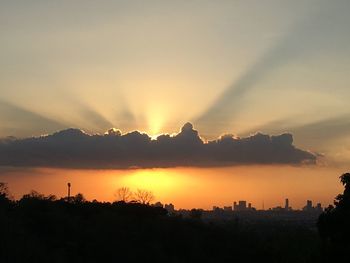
pixel 73 148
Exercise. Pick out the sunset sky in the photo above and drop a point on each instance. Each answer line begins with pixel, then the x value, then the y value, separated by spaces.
pixel 227 67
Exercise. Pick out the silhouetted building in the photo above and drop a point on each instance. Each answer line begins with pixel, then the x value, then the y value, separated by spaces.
pixel 242 206
pixel 69 185
pixel 308 206
pixel 228 208
pixel 286 205
pixel 217 211
pixel 319 208
pixel 277 208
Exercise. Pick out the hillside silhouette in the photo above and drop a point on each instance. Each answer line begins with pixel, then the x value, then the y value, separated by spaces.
pixel 39 228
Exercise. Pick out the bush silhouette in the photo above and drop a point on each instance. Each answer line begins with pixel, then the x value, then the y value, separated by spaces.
pixel 334 225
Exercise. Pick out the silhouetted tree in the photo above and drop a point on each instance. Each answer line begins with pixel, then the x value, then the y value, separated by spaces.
pixel 196 214
pixel 78 198
pixel 334 224
pixel 4 192
pixel 4 196
pixel 123 194
pixel 144 196
pixel 38 196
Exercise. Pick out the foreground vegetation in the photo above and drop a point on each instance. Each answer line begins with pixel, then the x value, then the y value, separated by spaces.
pixel 39 228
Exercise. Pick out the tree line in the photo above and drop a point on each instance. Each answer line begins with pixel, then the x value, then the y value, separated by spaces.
pixel 41 228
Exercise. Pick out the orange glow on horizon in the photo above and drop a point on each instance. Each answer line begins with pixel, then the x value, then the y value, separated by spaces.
pixel 189 187
pixel 160 181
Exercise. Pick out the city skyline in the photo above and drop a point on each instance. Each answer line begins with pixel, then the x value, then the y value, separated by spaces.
pixel 240 205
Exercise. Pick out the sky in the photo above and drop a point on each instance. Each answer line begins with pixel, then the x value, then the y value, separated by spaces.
pixel 227 67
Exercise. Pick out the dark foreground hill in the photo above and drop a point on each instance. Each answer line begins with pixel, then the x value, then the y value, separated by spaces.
pixel 39 228
pixel 42 229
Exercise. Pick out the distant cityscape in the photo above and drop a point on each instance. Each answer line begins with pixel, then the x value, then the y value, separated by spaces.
pixel 244 210
pixel 242 206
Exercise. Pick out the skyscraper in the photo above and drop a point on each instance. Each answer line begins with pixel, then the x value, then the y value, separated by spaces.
pixel 286 206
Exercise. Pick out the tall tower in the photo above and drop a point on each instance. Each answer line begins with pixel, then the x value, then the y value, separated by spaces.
pixel 309 205
pixel 286 206
pixel 68 191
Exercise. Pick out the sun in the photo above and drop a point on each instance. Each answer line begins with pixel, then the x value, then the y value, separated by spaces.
pixel 155 180
pixel 155 122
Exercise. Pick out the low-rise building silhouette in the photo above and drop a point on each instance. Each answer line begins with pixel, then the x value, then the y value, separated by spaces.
pixel 310 208
pixel 242 206
pixel 228 208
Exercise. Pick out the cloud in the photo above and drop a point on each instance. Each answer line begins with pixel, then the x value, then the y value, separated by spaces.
pixel 315 134
pixel 72 148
